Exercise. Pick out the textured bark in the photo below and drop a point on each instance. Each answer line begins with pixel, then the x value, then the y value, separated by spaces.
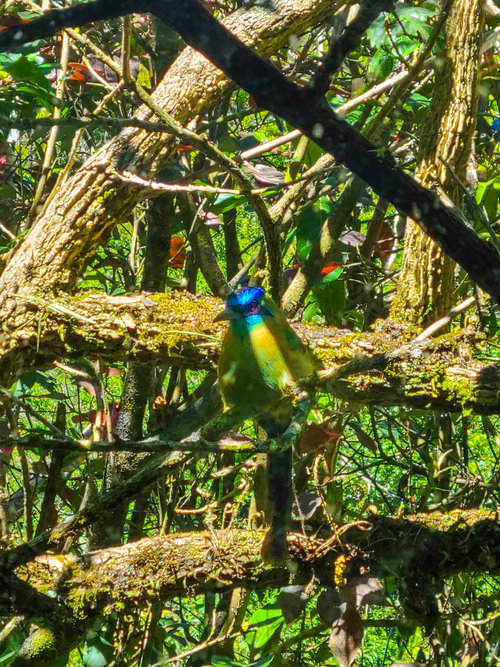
pixel 178 328
pixel 427 275
pixel 163 567
pixel 81 216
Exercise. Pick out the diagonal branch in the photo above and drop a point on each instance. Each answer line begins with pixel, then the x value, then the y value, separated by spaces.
pixel 347 42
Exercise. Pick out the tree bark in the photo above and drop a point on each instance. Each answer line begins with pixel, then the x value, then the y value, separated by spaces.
pixel 427 276
pixel 372 368
pixel 164 567
pixel 92 202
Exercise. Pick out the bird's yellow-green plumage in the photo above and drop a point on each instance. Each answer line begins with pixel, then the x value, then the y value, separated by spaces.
pixel 260 363
pixel 262 358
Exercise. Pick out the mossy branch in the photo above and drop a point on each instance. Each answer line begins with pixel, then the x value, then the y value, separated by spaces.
pixel 129 576
pixel 371 368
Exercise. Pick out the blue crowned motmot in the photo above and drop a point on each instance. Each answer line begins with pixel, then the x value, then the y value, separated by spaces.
pixel 260 362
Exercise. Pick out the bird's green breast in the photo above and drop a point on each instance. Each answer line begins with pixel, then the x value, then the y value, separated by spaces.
pixel 261 360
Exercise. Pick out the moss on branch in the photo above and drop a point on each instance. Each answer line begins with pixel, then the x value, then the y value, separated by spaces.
pixel 382 367
pixel 130 576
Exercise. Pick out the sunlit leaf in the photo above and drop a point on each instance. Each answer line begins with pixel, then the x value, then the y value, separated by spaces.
pixel 346 635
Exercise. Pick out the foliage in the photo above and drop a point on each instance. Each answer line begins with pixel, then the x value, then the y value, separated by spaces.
pixel 385 460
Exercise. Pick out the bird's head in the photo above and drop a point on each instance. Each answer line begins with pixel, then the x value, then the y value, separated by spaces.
pixel 245 302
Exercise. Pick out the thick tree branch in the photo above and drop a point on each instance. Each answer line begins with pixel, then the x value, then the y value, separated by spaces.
pixel 374 368
pixel 163 567
pixel 437 217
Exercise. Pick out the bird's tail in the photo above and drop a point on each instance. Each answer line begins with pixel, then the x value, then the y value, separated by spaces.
pixel 279 490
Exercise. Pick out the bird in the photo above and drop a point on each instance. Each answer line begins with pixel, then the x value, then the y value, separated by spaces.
pixel 260 364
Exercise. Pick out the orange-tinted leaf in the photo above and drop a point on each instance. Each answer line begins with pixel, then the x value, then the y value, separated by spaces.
pixel 78 72
pixel 177 252
pixel 385 241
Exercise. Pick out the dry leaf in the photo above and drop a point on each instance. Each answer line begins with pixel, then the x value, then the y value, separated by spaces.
pixel 365 439
pixel 365 590
pixel 306 505
pixel 316 436
pixel 346 635
pixel 264 173
pixel 328 606
pixel 292 601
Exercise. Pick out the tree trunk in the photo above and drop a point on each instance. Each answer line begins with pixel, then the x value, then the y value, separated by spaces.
pixel 427 275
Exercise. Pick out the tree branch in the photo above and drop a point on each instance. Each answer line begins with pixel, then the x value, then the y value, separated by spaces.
pixel 347 42
pixel 440 373
pixel 172 565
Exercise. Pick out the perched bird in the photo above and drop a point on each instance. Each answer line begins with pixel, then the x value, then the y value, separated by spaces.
pixel 260 362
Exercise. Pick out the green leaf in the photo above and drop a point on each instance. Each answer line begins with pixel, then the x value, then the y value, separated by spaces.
pixel 263 662
pixel 263 624
pixel 97 652
pixel 331 298
pixel 224 661
pixel 376 32
pixel 30 378
pixel 308 229
pixel 310 310
pixel 26 70
pixel 331 277
pixel 381 65
pixel 226 202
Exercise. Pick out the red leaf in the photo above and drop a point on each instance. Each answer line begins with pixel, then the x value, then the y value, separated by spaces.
pixel 112 372
pixel 329 267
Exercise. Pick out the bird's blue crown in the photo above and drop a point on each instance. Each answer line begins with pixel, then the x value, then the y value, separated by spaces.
pixel 248 301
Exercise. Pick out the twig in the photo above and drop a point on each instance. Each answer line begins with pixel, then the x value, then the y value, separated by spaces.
pixel 52 138
pixel 444 321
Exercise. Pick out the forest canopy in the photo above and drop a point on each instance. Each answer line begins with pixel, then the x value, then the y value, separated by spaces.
pixel 156 156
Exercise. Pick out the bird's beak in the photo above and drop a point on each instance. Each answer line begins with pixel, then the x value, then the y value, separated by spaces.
pixel 227 314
